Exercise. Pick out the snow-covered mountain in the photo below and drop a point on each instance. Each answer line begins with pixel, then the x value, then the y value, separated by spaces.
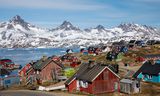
pixel 19 33
pixel 66 26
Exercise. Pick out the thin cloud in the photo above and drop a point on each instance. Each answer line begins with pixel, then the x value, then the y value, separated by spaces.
pixel 50 4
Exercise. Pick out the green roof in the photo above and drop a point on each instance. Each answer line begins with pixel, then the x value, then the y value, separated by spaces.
pixel 41 63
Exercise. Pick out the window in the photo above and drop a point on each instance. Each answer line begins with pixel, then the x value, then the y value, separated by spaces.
pixel 145 76
pixel 83 84
pixel 137 85
pixel 150 76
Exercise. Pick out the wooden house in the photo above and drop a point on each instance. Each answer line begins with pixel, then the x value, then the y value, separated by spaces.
pixel 31 76
pixel 5 61
pixel 94 79
pixel 140 59
pixel 111 55
pixel 157 44
pixel 114 56
pixel 119 56
pixel 91 50
pixel 22 72
pixel 140 43
pixel 69 51
pixel 105 48
pixel 130 86
pixel 131 43
pixel 47 70
pixel 56 58
pixel 119 44
pixel 94 50
pixel 84 51
pixel 8 79
pixel 124 49
pixel 69 60
pixel 149 71
pixel 27 74
pixel 151 42
pixel 8 64
pixel 152 56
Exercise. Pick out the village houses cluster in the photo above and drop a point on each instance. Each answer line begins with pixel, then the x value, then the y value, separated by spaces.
pixel 91 76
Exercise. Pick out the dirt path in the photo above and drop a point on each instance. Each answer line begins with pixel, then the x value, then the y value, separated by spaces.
pixel 34 93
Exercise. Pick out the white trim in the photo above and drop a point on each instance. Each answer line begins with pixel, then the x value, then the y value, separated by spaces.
pixel 98 74
pixel 71 80
pixel 78 85
pixel 102 71
pixel 113 72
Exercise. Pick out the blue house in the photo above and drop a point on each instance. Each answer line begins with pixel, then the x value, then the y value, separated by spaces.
pixel 8 79
pixel 124 49
pixel 139 42
pixel 149 71
pixel 111 56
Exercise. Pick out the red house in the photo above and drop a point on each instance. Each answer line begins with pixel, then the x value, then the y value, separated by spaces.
pixel 93 79
pixel 69 60
pixel 140 59
pixel 8 64
pixel 56 58
pixel 23 73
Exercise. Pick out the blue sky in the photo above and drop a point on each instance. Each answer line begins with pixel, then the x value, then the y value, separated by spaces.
pixel 82 13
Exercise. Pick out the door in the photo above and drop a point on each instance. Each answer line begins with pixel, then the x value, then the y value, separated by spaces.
pixel 115 86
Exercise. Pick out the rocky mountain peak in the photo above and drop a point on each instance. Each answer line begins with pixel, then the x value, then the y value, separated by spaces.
pixel 66 26
pixel 100 27
pixel 131 27
pixel 18 20
pixel 123 25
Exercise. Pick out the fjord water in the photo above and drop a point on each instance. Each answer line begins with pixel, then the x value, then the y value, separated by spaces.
pixel 23 56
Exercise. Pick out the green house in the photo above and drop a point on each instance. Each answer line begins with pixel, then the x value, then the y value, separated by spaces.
pixel 119 56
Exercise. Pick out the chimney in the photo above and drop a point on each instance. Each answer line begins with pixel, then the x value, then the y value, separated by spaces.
pixel 91 64
pixel 31 62
pixel 44 58
pixel 152 62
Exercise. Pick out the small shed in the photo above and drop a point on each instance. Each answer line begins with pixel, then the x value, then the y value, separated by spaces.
pixel 130 86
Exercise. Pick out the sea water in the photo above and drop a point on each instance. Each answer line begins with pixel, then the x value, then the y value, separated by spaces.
pixel 23 56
